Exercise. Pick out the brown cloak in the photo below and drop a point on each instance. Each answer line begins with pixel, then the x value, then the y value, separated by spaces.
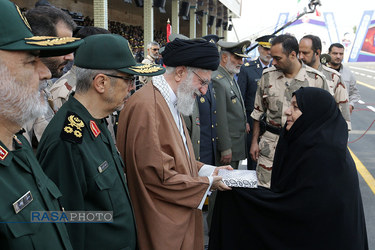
pixel 163 179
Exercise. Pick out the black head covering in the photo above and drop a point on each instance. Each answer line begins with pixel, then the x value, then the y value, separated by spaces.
pixel 314 201
pixel 196 53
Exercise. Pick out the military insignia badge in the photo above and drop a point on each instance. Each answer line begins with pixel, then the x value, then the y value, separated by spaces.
pixel 23 18
pixel 258 66
pixel 50 41
pixel 197 121
pixel 234 101
pixel 22 202
pixel 103 167
pixel 247 64
pixel 3 153
pixel 94 128
pixel 219 76
pixel 72 129
pixel 202 99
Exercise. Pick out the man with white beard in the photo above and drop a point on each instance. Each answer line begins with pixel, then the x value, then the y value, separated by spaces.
pixel 231 113
pixel 167 185
pixel 24 186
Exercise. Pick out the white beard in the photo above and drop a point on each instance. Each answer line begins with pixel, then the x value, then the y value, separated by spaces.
pixel 231 68
pixel 19 102
pixel 186 96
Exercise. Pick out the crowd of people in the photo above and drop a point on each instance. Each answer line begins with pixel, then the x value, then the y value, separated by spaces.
pixel 152 156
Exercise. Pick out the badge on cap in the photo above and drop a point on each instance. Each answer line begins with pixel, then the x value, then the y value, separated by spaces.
pixel 22 202
pixel 3 153
pixel 202 99
pixel 94 128
pixel 23 18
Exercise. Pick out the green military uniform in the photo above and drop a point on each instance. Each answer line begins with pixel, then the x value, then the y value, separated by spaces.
pixel 22 176
pixel 273 97
pixel 231 115
pixel 338 90
pixel 77 152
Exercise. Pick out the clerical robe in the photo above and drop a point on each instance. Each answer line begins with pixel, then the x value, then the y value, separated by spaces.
pixel 162 176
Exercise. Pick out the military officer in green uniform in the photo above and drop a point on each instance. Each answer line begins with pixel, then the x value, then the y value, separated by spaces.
pixel 24 186
pixel 231 113
pixel 248 78
pixel 77 151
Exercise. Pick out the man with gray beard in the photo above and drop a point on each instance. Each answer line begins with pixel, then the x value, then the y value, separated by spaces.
pixel 231 113
pixel 25 188
pixel 167 185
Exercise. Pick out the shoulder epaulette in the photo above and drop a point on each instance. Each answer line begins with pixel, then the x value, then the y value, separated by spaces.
pixel 219 76
pixel 73 128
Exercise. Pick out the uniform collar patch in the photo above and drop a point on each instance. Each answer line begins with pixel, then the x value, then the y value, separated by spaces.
pixel 3 153
pixel 94 128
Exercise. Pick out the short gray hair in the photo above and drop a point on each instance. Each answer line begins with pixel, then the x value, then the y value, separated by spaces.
pixel 86 76
pixel 153 43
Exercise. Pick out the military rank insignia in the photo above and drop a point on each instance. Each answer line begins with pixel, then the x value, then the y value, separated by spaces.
pixel 197 121
pixel 94 128
pixel 22 202
pixel 202 100
pixel 72 129
pixel 3 153
pixel 219 76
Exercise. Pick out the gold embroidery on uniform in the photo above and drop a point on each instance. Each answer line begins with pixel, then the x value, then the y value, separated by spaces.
pixel 76 122
pixel 23 18
pixel 77 133
pixel 50 41
pixel 146 68
pixel 68 129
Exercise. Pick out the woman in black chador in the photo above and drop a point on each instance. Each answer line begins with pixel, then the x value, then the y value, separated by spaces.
pixel 314 201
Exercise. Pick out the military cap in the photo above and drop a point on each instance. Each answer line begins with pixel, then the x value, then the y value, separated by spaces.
pixel 110 51
pixel 265 41
pixel 16 34
pixel 212 38
pixel 325 58
pixel 239 49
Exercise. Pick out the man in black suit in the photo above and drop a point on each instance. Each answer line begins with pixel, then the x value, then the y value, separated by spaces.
pixel 248 78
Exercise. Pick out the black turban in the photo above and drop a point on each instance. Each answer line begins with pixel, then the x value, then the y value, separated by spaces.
pixel 196 53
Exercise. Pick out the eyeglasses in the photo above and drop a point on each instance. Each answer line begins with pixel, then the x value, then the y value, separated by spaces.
pixel 204 82
pixel 155 49
pixel 126 79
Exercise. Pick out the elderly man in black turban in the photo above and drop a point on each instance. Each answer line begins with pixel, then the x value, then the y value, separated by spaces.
pixel 167 185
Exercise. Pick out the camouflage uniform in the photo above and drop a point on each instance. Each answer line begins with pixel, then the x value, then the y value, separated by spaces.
pixel 338 90
pixel 273 97
pixel 62 88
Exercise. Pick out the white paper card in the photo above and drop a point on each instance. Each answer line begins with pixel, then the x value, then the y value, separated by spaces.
pixel 239 178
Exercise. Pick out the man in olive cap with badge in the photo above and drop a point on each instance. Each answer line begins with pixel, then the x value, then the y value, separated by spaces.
pixel 24 186
pixel 77 151
pixel 231 114
pixel 248 78
pixel 167 185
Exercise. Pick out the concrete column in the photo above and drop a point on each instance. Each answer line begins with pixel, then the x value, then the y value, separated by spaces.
pixel 220 31
pixel 148 23
pixel 213 29
pixel 225 35
pixel 204 25
pixel 101 13
pixel 175 22
pixel 193 22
